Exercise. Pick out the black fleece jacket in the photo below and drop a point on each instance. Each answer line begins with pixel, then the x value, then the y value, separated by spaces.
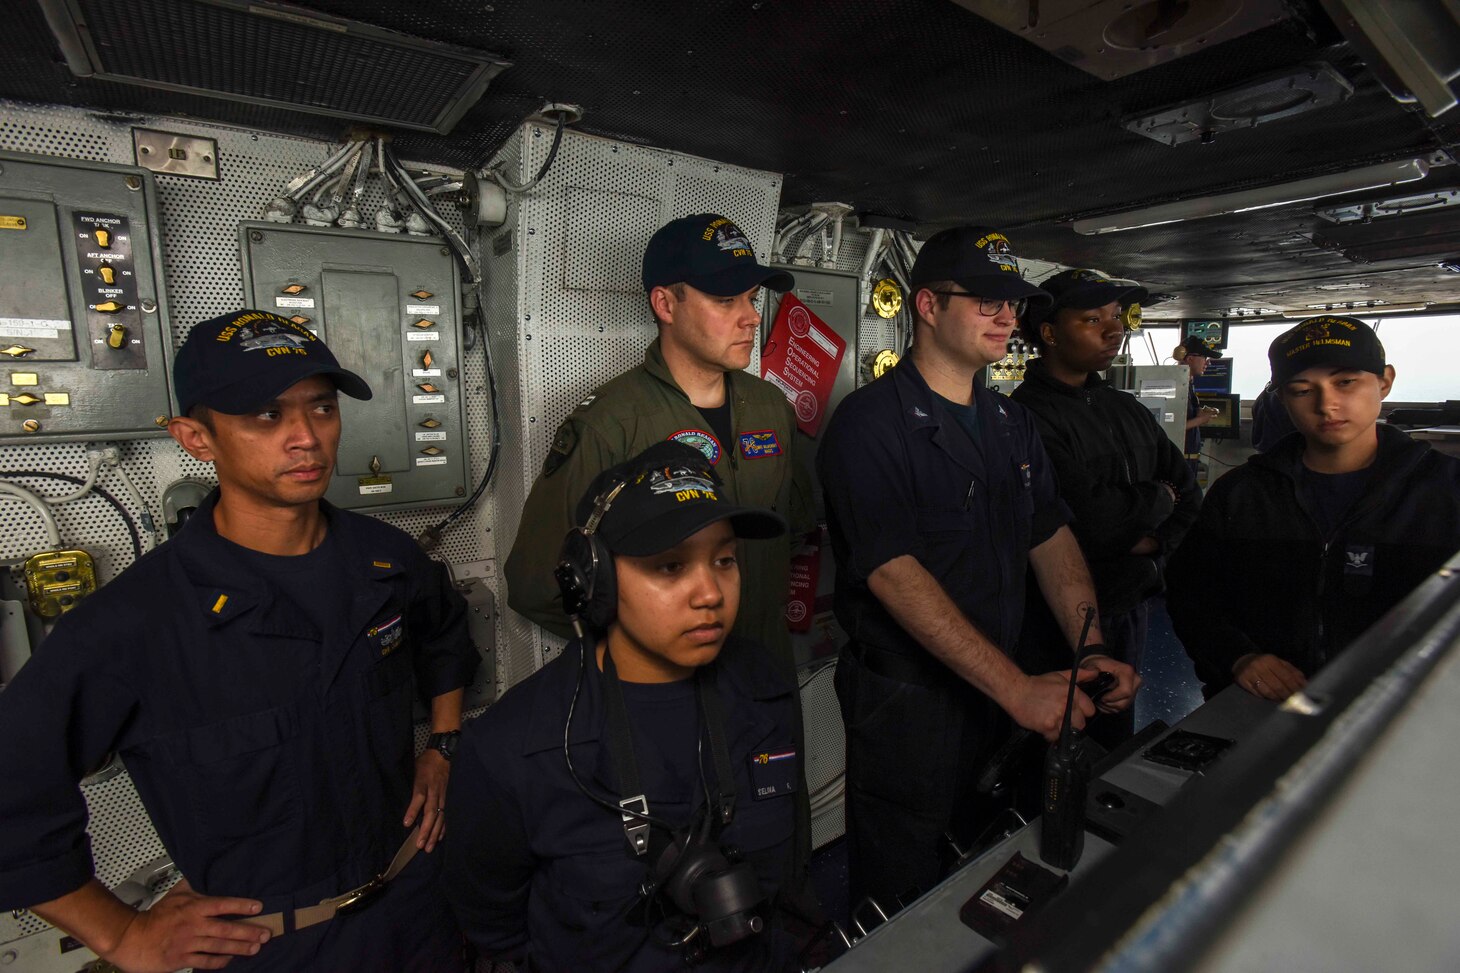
pixel 1110 457
pixel 1255 575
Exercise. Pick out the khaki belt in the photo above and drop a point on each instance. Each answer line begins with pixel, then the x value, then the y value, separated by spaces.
pixel 345 903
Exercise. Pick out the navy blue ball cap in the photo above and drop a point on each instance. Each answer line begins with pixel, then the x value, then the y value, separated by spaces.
pixel 668 492
pixel 1326 339
pixel 237 362
pixel 709 253
pixel 979 260
pixel 1082 288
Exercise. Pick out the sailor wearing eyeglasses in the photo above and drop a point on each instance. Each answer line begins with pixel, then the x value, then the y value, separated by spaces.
pixel 939 496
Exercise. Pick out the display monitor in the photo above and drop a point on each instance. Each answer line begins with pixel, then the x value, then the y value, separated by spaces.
pixel 1227 424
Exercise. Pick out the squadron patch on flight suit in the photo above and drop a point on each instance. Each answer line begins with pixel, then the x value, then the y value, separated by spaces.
pixel 754 445
pixel 701 440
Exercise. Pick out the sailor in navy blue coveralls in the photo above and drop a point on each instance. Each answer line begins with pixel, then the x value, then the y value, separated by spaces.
pixel 537 870
pixel 938 496
pixel 262 705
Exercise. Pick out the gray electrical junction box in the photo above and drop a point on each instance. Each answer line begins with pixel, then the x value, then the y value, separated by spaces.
pixel 390 309
pixel 84 339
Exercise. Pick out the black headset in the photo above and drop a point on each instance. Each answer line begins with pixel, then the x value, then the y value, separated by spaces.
pixel 585 568
pixel 714 890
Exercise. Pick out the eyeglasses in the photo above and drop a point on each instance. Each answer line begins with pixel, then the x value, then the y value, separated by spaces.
pixel 990 305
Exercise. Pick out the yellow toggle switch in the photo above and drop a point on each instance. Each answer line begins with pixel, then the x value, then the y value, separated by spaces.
pixel 103 237
pixel 423 323
pixel 295 289
pixel 432 450
pixel 430 423
pixel 426 360
pixel 108 307
pixel 108 274
pixel 16 351
pixel 300 320
pixel 422 295
pixel 116 335
pixel 427 387
pixel 24 398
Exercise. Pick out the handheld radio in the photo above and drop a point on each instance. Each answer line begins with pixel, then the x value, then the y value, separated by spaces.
pixel 1062 825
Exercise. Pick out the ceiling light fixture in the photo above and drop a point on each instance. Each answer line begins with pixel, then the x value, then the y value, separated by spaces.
pixel 1282 194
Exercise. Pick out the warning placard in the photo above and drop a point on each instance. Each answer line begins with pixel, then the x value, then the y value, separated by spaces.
pixel 801 359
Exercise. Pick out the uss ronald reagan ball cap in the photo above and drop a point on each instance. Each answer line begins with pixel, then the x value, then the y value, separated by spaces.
pixel 238 361
pixel 709 253
pixel 670 492
pixel 978 259
pixel 1081 289
pixel 1327 339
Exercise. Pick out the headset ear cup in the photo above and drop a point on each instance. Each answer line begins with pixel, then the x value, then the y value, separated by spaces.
pixel 603 592
pixel 574 573
pixel 586 579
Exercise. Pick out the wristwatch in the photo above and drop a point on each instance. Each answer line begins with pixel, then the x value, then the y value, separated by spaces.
pixel 444 743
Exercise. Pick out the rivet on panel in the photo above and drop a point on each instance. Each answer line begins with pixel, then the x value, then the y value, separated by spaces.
pixel 160 421
pixel 30 425
pixel 149 306
pixel 254 236
pixel 134 183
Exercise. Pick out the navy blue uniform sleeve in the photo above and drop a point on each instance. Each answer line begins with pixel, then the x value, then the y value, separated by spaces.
pixel 59 717
pixel 444 656
pixel 1200 576
pixel 488 868
pixel 1050 512
pixel 869 496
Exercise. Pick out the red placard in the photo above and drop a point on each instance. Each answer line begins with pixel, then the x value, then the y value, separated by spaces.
pixel 805 575
pixel 801 359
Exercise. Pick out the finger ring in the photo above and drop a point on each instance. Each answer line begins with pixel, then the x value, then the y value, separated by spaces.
pixel 440 809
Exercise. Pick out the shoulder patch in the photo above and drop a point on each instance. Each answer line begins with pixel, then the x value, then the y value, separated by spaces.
pixel 565 440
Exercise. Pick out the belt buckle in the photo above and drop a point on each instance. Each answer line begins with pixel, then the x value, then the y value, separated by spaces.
pixel 357 900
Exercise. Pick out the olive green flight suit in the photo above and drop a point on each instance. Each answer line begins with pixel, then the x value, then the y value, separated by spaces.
pixel 623 418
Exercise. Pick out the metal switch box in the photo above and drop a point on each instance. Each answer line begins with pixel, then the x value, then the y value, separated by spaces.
pixel 389 308
pixel 84 337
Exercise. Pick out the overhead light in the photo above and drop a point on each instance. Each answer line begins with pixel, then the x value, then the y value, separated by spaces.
pixel 1360 309
pixel 1332 184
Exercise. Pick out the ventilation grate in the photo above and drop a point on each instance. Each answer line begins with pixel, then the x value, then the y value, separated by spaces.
pixel 271 54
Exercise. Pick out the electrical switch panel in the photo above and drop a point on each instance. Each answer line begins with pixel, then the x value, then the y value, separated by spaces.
pixel 84 346
pixel 390 309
